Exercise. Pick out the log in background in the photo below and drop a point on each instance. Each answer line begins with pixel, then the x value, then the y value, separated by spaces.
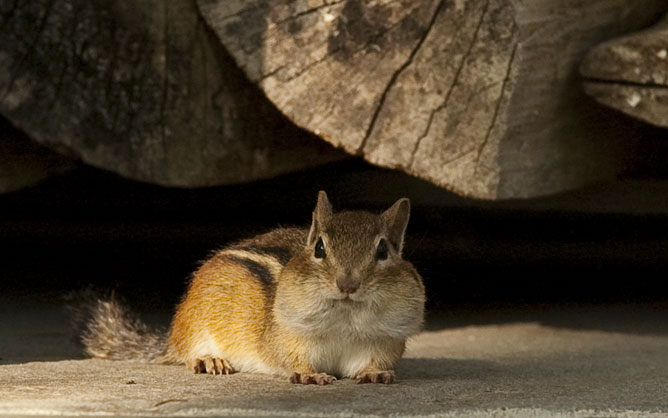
pixel 141 88
pixel 481 97
pixel 477 96
pixel 484 93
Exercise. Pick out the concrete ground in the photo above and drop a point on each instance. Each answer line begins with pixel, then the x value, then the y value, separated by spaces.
pixel 535 361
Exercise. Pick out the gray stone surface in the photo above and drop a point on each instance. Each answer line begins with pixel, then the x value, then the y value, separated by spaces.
pixel 578 362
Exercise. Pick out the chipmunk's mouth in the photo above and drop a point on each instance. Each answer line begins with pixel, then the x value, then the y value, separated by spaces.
pixel 346 299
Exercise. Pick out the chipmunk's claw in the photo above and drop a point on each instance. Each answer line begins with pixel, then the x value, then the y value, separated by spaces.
pixel 385 376
pixel 312 378
pixel 211 365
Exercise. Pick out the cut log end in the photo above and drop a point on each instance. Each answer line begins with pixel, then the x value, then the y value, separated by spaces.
pixel 630 74
pixel 479 97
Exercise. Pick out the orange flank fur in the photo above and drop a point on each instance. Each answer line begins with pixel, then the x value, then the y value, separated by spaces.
pixel 222 315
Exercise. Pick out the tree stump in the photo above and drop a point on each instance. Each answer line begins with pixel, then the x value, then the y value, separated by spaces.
pixel 144 89
pixel 478 96
pixel 630 74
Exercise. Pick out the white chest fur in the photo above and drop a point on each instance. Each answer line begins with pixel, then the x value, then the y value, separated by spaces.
pixel 340 357
pixel 342 339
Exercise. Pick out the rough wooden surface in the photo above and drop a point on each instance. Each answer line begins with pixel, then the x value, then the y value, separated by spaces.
pixel 478 96
pixel 144 89
pixel 630 74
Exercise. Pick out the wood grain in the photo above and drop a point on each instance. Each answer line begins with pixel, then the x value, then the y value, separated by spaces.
pixel 144 89
pixel 478 96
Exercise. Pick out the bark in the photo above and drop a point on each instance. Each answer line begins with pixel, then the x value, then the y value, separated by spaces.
pixel 630 74
pixel 142 88
pixel 477 96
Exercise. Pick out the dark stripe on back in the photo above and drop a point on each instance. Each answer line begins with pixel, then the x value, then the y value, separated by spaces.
pixel 282 254
pixel 255 268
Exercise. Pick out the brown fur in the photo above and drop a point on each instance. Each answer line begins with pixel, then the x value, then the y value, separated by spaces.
pixel 107 330
pixel 269 305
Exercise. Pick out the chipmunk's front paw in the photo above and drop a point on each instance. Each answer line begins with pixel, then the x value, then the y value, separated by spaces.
pixel 384 376
pixel 211 365
pixel 312 378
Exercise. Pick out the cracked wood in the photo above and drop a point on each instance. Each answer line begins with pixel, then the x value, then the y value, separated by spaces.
pixel 476 96
pixel 143 89
pixel 630 74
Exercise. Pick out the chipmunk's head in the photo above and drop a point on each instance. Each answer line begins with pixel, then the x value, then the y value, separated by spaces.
pixel 351 276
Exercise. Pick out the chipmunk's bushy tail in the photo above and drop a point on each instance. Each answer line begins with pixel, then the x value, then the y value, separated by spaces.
pixel 107 330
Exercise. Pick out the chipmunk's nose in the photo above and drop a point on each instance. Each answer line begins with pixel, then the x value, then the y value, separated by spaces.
pixel 348 284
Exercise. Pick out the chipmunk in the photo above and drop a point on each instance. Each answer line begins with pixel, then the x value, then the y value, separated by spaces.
pixel 311 304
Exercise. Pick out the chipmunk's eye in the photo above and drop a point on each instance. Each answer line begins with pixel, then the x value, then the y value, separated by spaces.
pixel 319 249
pixel 381 251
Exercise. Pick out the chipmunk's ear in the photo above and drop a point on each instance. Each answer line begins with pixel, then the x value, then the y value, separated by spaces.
pixel 396 220
pixel 321 217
